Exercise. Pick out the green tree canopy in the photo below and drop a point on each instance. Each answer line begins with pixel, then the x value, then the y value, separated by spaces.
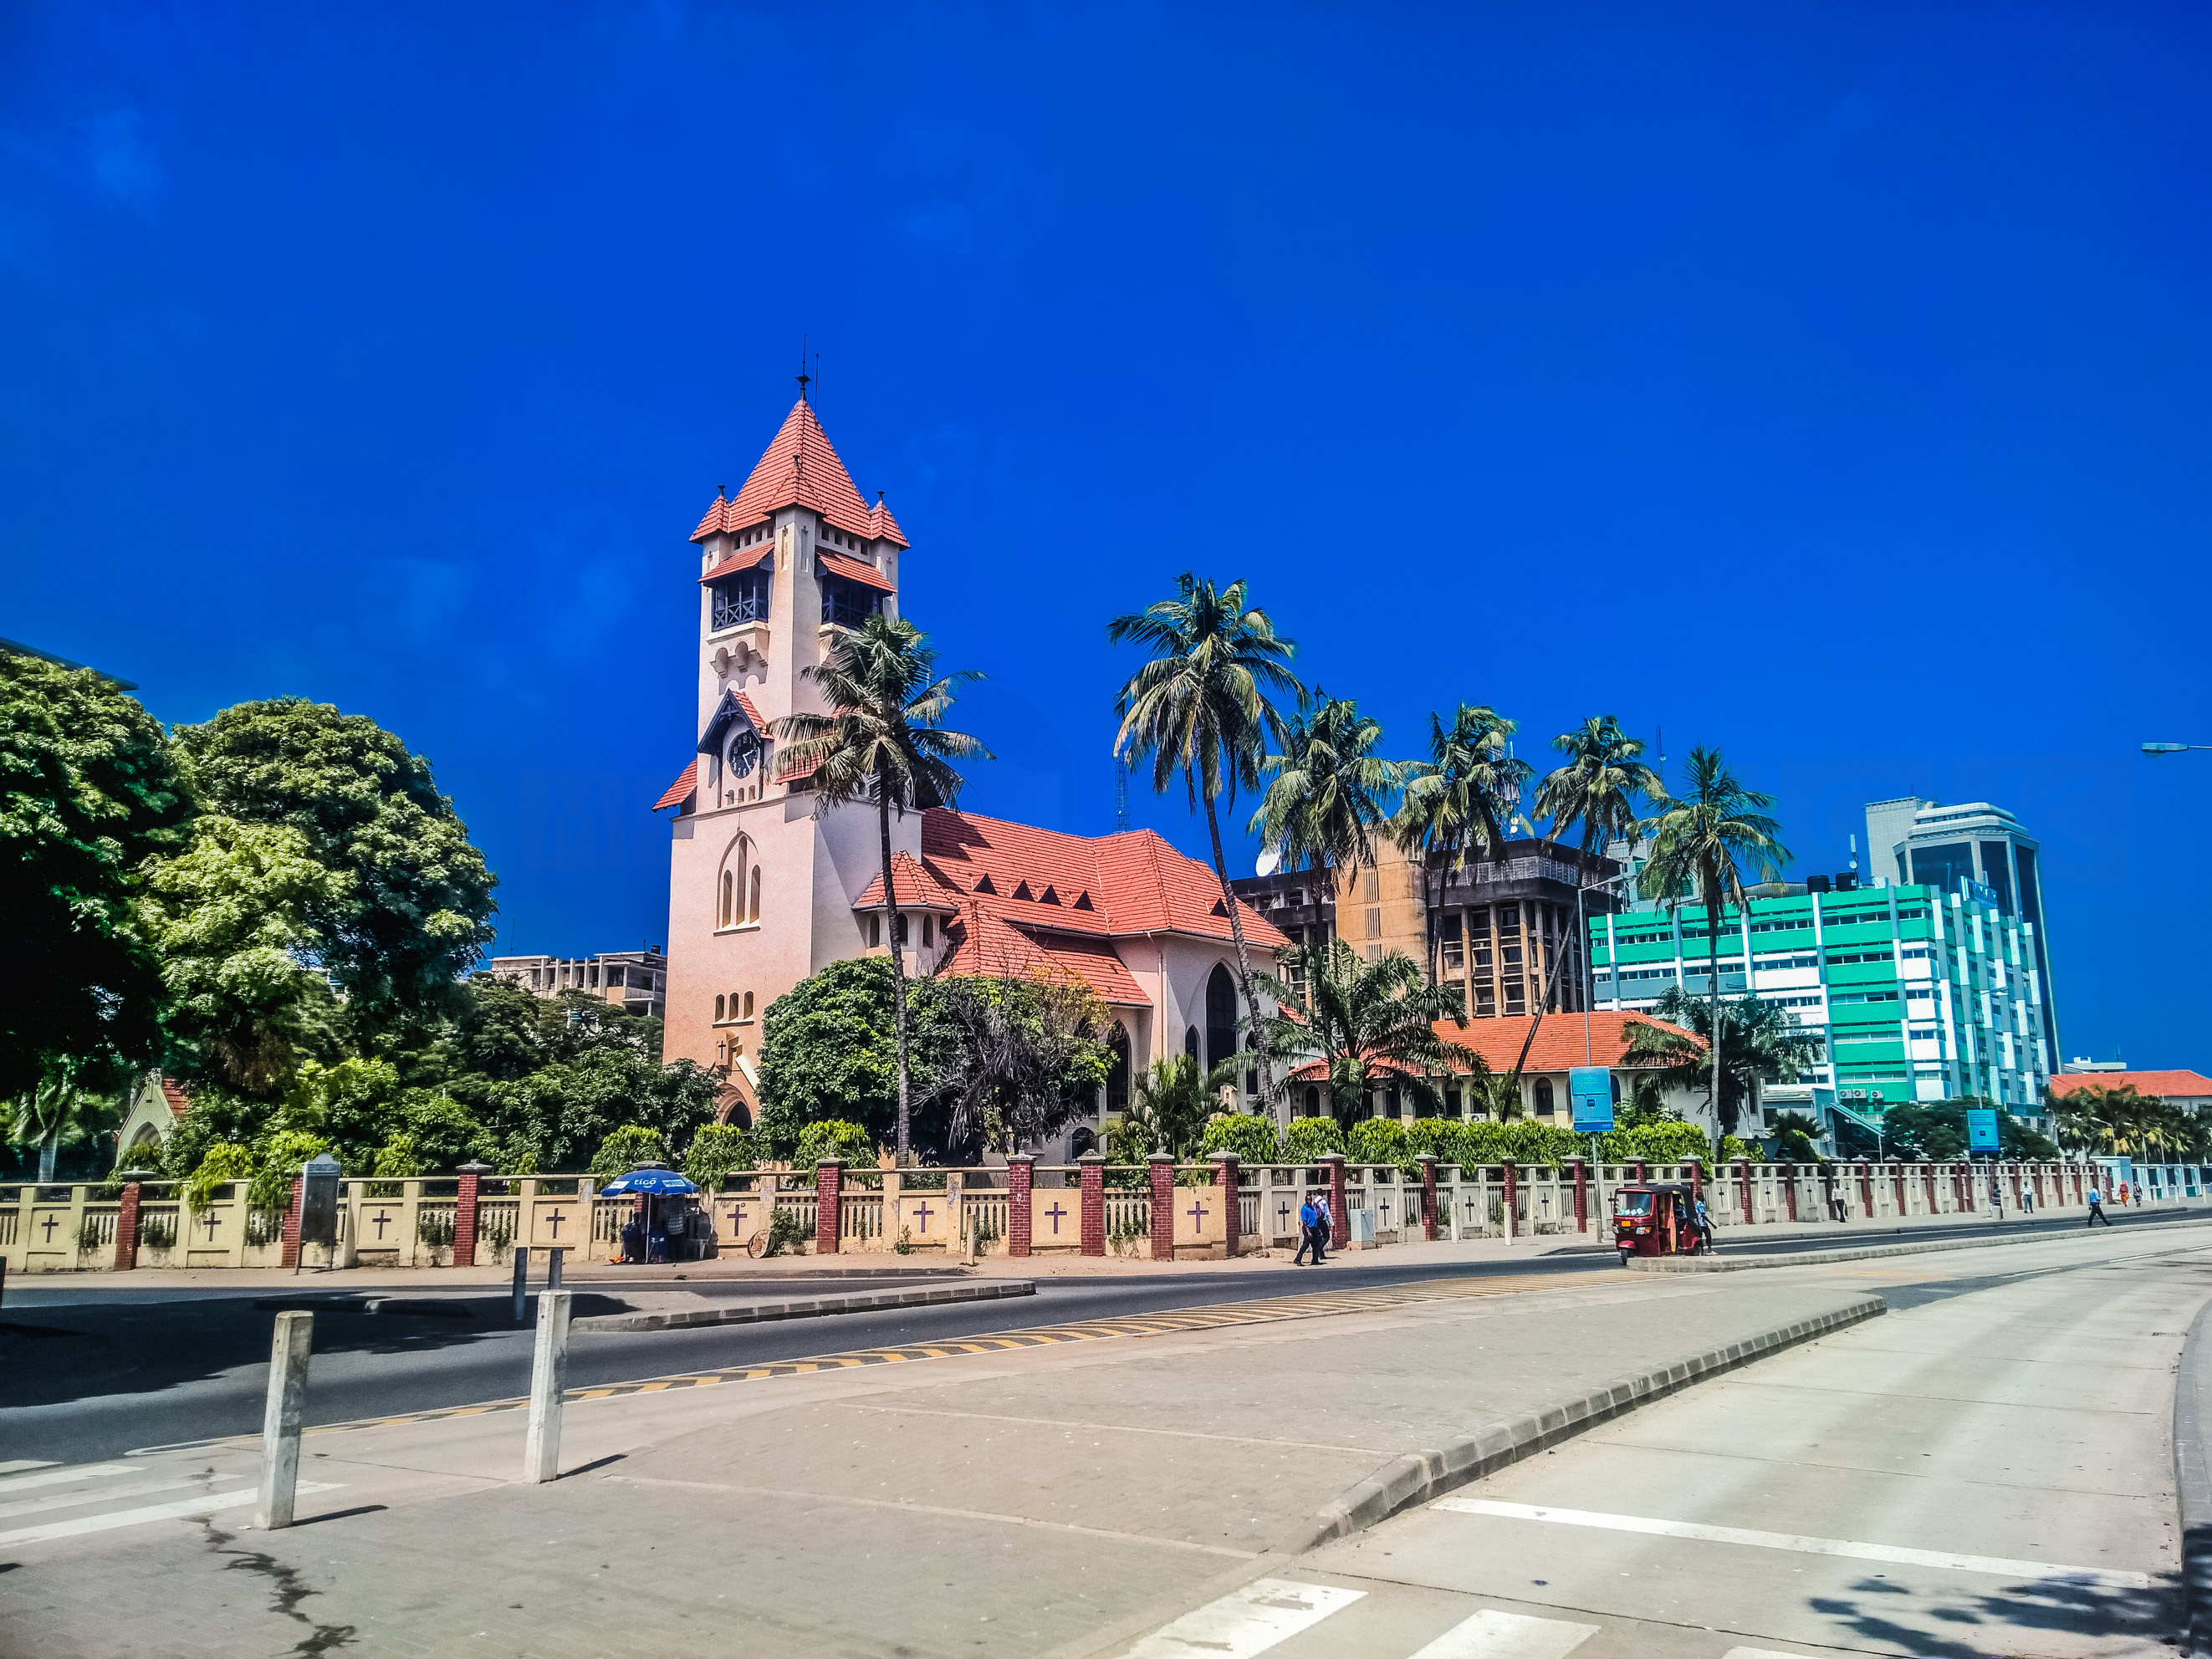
pixel 415 908
pixel 88 791
pixel 828 1049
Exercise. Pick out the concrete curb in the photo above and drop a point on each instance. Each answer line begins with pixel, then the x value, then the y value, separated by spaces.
pixel 987 1289
pixel 1420 1476
pixel 1724 1264
pixel 2192 1484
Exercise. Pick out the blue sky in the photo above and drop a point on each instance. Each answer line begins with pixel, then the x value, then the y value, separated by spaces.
pixel 1825 384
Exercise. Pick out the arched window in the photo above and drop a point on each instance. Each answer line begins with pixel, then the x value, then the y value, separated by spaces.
pixel 898 932
pixel 729 885
pixel 1313 1103
pixel 752 902
pixel 748 1005
pixel 1117 1079
pixel 741 896
pixel 1190 1042
pixel 1220 1016
pixel 1543 1096
pixel 717 1010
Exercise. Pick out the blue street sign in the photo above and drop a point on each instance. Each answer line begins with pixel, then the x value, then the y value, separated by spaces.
pixel 1591 1089
pixel 1981 1132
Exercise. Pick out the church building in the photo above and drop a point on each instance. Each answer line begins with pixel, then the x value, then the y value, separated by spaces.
pixel 762 893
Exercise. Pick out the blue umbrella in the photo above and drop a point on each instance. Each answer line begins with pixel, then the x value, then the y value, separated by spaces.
pixel 656 1181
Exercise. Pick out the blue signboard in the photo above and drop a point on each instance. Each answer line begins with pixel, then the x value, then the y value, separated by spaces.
pixel 1591 1089
pixel 1981 1132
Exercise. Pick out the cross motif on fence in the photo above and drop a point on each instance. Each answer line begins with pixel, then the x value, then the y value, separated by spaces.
pixel 553 1221
pixel 1198 1214
pixel 382 1219
pixel 1055 1212
pixel 210 1225
pixel 737 1220
pixel 50 1224
pixel 922 1210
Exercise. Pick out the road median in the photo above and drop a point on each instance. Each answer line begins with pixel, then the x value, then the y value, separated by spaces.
pixel 813 1307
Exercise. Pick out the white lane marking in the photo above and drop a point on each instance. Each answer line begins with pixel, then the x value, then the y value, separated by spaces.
pixel 68 1500
pixel 1494 1635
pixel 1996 1565
pixel 176 1511
pixel 54 1477
pixel 15 1465
pixel 1248 1621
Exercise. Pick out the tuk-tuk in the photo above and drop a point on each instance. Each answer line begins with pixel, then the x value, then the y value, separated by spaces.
pixel 1656 1217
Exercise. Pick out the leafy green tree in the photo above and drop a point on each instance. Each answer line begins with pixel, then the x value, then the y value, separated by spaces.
pixel 232 919
pixel 1598 785
pixel 885 747
pixel 1200 707
pixel 1330 794
pixel 414 910
pixel 830 1137
pixel 1459 802
pixel 1697 842
pixel 1377 1140
pixel 558 1115
pixel 630 1145
pixel 1796 1134
pixel 1035 1057
pixel 1363 1021
pixel 69 1109
pixel 718 1152
pixel 1936 1130
pixel 89 791
pixel 828 1049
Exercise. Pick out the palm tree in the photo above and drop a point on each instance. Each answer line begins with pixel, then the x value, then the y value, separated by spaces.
pixel 884 747
pixel 1363 1019
pixel 1330 793
pixel 1697 840
pixel 1598 786
pixel 1200 707
pixel 1169 1109
pixel 1764 1041
pixel 1461 800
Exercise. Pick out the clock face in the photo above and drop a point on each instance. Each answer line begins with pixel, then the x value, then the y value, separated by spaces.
pixel 744 754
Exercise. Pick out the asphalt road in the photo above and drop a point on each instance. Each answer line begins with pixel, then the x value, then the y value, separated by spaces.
pixel 83 1378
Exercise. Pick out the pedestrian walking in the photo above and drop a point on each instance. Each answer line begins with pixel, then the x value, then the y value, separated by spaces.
pixel 2097 1209
pixel 1705 1222
pixel 1324 1230
pixel 1309 1232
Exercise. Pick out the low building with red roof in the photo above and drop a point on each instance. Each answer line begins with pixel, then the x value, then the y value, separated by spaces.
pixel 2191 1091
pixel 764 892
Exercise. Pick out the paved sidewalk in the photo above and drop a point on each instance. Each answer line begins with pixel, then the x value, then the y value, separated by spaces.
pixel 1008 1501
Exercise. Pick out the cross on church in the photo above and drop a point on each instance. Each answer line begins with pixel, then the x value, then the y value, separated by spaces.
pixel 1055 1212
pixel 922 1210
pixel 1198 1213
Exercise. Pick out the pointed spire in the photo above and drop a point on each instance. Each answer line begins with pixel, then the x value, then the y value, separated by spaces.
pixel 800 468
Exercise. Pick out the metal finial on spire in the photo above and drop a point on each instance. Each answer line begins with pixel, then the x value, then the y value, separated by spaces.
pixel 803 375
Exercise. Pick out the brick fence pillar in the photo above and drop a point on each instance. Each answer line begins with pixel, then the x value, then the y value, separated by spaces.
pixel 126 1229
pixel 1581 1193
pixel 1091 1171
pixel 1743 1186
pixel 1509 1178
pixel 1789 1189
pixel 1160 1169
pixel 1896 1180
pixel 1866 1189
pixel 1021 1172
pixel 1339 1213
pixel 2015 1187
pixel 1928 1180
pixel 1696 1166
pixel 1643 1170
pixel 829 1205
pixel 464 1213
pixel 1232 1203
pixel 291 1256
pixel 1428 1162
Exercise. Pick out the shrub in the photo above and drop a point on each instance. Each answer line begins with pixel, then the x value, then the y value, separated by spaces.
pixel 784 1229
pixel 225 1162
pixel 1249 1135
pixel 631 1144
pixel 835 1138
pixel 87 1234
pixel 435 1228
pixel 718 1152
pixel 1377 1140
pixel 1443 1138
pixel 1307 1138
pixel 1732 1148
pixel 1656 1143
pixel 278 1161
pixel 157 1232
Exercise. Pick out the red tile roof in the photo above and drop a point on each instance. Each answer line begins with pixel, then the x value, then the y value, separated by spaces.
pixel 686 786
pixel 1104 884
pixel 987 944
pixel 855 570
pixel 2177 1085
pixel 1559 1045
pixel 751 713
pixel 173 1092
pixel 917 889
pixel 800 468
pixel 745 558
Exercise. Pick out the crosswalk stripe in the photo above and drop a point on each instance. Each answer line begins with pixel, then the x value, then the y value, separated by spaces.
pixel 17 1465
pixel 54 1477
pixel 64 1500
pixel 1247 1621
pixel 1997 1566
pixel 1494 1635
pixel 1762 1653
pixel 176 1511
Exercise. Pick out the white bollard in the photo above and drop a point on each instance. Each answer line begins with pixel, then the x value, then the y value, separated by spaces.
pixel 288 1349
pixel 541 1457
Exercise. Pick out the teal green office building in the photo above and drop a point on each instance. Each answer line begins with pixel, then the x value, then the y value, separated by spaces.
pixel 1919 992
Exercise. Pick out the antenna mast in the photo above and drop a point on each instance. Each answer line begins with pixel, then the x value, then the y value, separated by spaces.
pixel 1121 794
